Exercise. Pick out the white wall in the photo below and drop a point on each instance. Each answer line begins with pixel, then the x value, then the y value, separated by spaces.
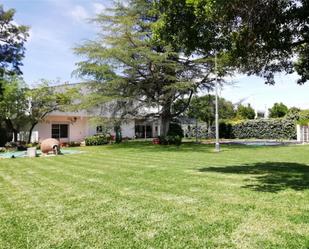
pixel 77 129
pixel 128 129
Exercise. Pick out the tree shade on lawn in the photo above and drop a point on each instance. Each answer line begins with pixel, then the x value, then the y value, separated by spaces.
pixel 137 195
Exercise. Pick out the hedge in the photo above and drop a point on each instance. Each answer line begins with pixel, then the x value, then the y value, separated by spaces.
pixel 261 129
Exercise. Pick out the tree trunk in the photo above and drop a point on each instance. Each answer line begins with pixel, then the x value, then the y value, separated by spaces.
pixel 30 132
pixel 10 129
pixel 196 130
pixel 166 119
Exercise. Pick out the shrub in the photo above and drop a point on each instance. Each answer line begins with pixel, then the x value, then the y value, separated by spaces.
pixel 163 140
pixel 175 130
pixel 74 144
pixel 174 135
pixel 31 145
pixel 174 140
pixel 225 130
pixel 96 140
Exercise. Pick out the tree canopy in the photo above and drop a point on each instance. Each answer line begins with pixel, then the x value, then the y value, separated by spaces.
pixel 245 112
pixel 13 104
pixel 256 37
pixel 278 110
pixel 203 109
pixel 135 72
pixel 12 41
pixel 44 99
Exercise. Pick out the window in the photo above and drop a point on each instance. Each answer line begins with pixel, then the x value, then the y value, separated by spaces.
pixel 99 129
pixel 60 131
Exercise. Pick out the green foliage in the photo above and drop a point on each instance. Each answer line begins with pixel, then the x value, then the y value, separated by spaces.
pixel 14 104
pixel 279 110
pixel 304 115
pixel 45 99
pixel 265 129
pixel 303 118
pixel 175 130
pixel 293 113
pixel 12 41
pixel 257 37
pixel 36 145
pixel 225 130
pixel 174 135
pixel 132 70
pixel 203 108
pixel 96 140
pixel 245 112
pixel 74 144
pixel 170 140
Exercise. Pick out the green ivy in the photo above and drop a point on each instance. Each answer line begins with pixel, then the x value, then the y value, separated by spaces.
pixel 260 129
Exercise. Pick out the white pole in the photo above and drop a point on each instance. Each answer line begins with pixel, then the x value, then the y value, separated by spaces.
pixel 217 146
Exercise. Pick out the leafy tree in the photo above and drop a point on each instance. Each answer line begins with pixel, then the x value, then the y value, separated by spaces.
pixel 133 71
pixel 257 37
pixel 304 116
pixel 12 101
pixel 203 108
pixel 13 104
pixel 245 112
pixel 278 110
pixel 45 99
pixel 12 40
pixel 293 114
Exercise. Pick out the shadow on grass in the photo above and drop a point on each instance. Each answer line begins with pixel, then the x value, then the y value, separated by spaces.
pixel 270 176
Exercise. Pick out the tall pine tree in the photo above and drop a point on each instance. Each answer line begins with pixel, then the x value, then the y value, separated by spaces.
pixel 136 73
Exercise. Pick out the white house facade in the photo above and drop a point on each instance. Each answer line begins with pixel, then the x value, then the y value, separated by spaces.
pixel 75 127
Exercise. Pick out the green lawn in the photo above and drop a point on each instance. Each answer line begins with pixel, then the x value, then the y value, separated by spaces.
pixel 138 195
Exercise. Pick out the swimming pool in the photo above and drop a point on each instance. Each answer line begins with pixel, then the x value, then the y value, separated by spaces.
pixel 262 143
pixel 19 154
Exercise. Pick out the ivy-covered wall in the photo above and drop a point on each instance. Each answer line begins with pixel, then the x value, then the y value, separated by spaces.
pixel 265 129
pixel 259 129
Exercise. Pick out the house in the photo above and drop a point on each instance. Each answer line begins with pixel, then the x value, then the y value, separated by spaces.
pixel 76 126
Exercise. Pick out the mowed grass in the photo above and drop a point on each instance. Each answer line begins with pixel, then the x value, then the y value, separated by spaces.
pixel 138 195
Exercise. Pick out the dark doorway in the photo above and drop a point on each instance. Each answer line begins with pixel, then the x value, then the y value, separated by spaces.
pixel 140 131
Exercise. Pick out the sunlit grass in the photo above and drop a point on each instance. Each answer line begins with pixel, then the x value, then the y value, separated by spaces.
pixel 138 195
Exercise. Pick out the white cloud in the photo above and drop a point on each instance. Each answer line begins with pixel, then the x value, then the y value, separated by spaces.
pixel 98 8
pixel 79 13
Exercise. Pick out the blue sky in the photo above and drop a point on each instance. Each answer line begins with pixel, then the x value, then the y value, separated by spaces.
pixel 57 26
